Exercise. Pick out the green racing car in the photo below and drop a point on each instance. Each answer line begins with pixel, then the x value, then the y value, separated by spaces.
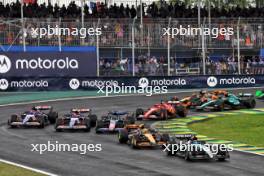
pixel 229 102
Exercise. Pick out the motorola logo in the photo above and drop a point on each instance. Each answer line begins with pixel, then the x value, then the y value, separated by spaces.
pixel 74 84
pixel 143 82
pixel 5 64
pixel 3 84
pixel 212 81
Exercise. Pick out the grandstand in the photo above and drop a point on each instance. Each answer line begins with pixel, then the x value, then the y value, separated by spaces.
pixel 129 36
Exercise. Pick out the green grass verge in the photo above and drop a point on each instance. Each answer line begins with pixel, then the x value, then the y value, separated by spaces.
pixel 9 170
pixel 244 128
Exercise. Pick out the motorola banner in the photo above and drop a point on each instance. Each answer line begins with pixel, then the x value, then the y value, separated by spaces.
pixel 95 83
pixel 47 64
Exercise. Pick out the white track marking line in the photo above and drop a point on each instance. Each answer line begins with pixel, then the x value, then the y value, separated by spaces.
pixel 28 168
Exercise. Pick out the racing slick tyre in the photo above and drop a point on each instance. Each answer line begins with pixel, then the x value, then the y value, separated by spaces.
pixel 123 136
pixel 99 124
pixel 88 125
pixel 139 111
pixel 133 143
pixel 250 104
pixel 52 116
pixel 93 119
pixel 187 157
pixel 221 159
pixel 170 152
pixel 41 121
pixel 131 120
pixel 164 114
pixel 58 121
pixel 165 137
pixel 13 119
pixel 181 111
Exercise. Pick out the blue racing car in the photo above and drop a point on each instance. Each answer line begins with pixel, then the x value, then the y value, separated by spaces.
pixel 114 121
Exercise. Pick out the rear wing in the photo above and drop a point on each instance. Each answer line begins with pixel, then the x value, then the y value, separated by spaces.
pixel 42 107
pixel 81 110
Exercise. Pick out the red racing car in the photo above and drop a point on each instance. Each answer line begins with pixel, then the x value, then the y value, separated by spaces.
pixel 162 111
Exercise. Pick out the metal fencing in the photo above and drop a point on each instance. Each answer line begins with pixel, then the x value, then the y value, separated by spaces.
pixel 142 47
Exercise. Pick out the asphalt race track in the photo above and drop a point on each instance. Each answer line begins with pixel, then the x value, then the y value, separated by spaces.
pixel 114 159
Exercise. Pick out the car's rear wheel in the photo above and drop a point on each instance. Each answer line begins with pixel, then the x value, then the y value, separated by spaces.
pixel 52 117
pixel 88 125
pixel 139 111
pixel 182 111
pixel 187 157
pixel 57 123
pixel 41 121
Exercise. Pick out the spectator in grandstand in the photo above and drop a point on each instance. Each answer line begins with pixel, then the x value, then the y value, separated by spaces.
pixel 163 10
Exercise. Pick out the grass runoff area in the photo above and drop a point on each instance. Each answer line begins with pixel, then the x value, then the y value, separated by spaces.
pixel 244 128
pixel 9 170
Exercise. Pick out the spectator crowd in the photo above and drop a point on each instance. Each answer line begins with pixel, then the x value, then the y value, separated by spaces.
pixel 152 66
pixel 159 9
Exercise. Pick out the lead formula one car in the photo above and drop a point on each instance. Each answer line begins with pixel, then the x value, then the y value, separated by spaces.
pixel 38 116
pixel 162 111
pixel 190 148
pixel 77 119
pixel 113 122
pixel 228 102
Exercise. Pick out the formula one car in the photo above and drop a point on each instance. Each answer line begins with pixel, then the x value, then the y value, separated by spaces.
pixel 190 148
pixel 38 116
pixel 228 102
pixel 77 119
pixel 141 137
pixel 162 111
pixel 199 99
pixel 260 94
pixel 114 121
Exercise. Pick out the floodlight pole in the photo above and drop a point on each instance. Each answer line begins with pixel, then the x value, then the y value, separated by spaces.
pixel 238 47
pixel 169 24
pixel 82 9
pixel 133 47
pixel 23 25
pixel 97 51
